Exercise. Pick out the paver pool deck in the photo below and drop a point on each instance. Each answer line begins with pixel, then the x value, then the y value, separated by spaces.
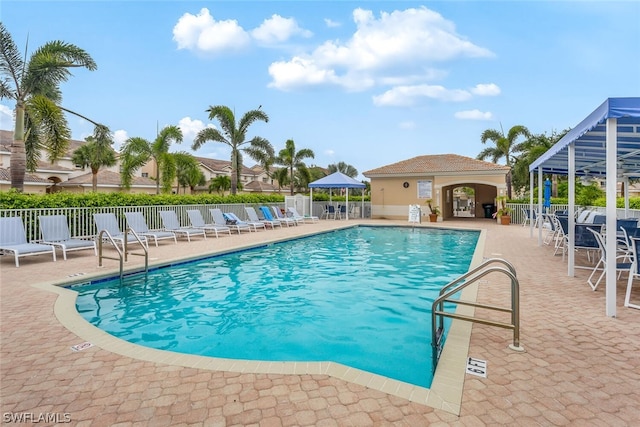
pixel 580 367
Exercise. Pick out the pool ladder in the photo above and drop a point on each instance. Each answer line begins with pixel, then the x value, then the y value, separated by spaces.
pixel 124 252
pixel 438 314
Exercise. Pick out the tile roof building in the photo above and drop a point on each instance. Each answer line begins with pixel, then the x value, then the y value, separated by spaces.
pixel 457 185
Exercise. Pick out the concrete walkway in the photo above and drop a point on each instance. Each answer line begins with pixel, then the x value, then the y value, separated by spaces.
pixel 580 367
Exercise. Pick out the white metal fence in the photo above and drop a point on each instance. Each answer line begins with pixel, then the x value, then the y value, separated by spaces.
pixel 81 224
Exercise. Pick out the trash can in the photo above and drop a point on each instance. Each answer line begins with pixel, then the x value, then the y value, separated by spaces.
pixel 488 209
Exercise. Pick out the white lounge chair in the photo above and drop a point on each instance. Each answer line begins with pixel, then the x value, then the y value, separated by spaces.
pixel 255 225
pixel 197 221
pixel 219 219
pixel 296 215
pixel 171 223
pixel 253 217
pixel 54 230
pixel 13 238
pixel 137 222
pixel 109 223
pixel 277 213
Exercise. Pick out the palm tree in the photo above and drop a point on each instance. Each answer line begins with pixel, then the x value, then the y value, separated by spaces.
pixel 188 171
pixel 137 151
pixel 343 167
pixel 293 160
pixel 96 153
pixel 220 184
pixel 258 148
pixel 534 147
pixel 505 146
pixel 35 87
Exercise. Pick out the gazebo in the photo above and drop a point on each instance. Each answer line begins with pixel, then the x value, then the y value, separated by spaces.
pixel 605 144
pixel 338 180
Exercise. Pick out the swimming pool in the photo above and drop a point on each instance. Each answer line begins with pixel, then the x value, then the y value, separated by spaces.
pixel 360 297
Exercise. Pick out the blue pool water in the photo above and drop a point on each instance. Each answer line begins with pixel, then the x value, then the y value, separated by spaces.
pixel 360 297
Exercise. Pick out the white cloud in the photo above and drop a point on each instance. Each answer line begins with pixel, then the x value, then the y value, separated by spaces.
pixel 202 33
pixel 6 117
pixel 490 89
pixel 119 138
pixel 190 128
pixel 331 23
pixel 401 40
pixel 403 96
pixel 473 115
pixel 329 152
pixel 408 125
pixel 278 29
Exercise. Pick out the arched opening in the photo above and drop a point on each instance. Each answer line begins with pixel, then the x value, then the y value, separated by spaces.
pixel 469 200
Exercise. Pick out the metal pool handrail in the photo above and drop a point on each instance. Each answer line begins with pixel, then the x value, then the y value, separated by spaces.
pixel 437 308
pixel 122 254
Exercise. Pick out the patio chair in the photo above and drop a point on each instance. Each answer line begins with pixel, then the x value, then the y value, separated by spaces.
pixel 171 223
pixel 54 230
pixel 341 212
pixel 219 219
pixel 197 221
pixel 620 266
pixel 230 216
pixel 528 215
pixel 268 215
pixel 137 222
pixel 329 212
pixel 633 273
pixel 253 217
pixel 296 215
pixel 13 238
pixel 283 218
pixel 109 223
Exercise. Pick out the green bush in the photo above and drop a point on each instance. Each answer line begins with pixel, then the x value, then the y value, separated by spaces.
pixel 15 200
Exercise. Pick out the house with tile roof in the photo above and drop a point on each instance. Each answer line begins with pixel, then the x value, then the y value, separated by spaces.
pixel 64 175
pixel 440 178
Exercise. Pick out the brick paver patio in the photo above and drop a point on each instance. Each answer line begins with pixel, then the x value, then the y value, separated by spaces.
pixel 580 367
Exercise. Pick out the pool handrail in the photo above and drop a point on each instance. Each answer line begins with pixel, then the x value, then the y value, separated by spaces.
pixel 437 308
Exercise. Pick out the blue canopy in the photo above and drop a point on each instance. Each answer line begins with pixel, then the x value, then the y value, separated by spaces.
pixel 589 139
pixel 336 180
pixel 606 144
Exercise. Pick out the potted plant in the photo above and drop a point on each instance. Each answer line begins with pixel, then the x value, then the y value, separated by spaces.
pixel 503 214
pixel 435 211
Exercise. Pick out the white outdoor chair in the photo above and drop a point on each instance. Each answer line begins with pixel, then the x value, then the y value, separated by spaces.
pixel 54 230
pixel 109 223
pixel 171 223
pixel 219 219
pixel 13 238
pixel 286 219
pixel 137 222
pixel 634 272
pixel 253 218
pixel 296 215
pixel 197 221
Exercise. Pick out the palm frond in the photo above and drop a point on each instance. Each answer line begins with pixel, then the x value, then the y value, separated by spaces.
pixel 52 125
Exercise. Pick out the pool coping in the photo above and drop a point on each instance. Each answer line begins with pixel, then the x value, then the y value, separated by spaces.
pixel 446 388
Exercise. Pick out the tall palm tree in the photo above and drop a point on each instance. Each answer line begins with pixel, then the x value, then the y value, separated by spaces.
pixel 258 148
pixel 188 171
pixel 34 85
pixel 534 147
pixel 137 151
pixel 505 147
pixel 343 167
pixel 96 153
pixel 293 160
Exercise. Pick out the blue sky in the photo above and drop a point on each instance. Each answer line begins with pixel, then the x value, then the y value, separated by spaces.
pixel 366 83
